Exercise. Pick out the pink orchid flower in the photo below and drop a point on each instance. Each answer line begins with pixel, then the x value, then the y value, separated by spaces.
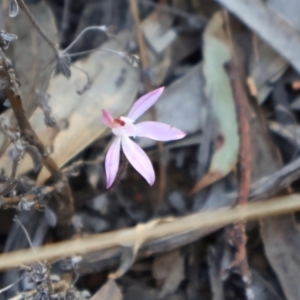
pixel 124 128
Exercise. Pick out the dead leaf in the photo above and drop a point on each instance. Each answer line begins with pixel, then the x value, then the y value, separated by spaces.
pixel 268 24
pixel 280 236
pixel 219 91
pixel 207 180
pixel 290 133
pixel 187 115
pixel 34 59
pixel 264 70
pixel 266 65
pixel 158 30
pixel 289 12
pixel 160 36
pixel 263 288
pixel 282 241
pixel 82 113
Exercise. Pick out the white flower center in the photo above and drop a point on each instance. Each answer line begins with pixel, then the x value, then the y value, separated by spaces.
pixel 124 126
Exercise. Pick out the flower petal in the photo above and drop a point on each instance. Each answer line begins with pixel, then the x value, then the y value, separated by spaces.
pixel 144 103
pixel 139 159
pixel 107 118
pixel 112 161
pixel 158 131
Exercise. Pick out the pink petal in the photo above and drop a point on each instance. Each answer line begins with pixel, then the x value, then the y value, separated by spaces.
pixel 139 159
pixel 144 103
pixel 158 131
pixel 112 161
pixel 107 118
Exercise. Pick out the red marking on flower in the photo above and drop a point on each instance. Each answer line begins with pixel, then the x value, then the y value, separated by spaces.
pixel 120 122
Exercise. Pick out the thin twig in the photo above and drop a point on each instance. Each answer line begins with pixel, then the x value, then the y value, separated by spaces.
pixel 13 93
pixel 31 197
pixel 24 7
pixel 145 66
pixel 12 284
pixel 42 265
pixel 11 183
pixel 80 163
pixel 245 153
pixel 98 28
pixel 141 41
pixel 16 219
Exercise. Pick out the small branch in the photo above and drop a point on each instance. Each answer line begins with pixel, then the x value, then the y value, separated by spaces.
pixel 41 270
pixel 145 66
pixel 12 284
pixel 13 202
pixel 65 212
pixel 141 40
pixel 81 34
pixel 166 227
pixel 30 198
pixel 80 163
pixel 11 183
pixel 245 152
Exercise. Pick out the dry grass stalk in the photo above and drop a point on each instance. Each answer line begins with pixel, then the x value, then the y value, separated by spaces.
pixel 164 227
